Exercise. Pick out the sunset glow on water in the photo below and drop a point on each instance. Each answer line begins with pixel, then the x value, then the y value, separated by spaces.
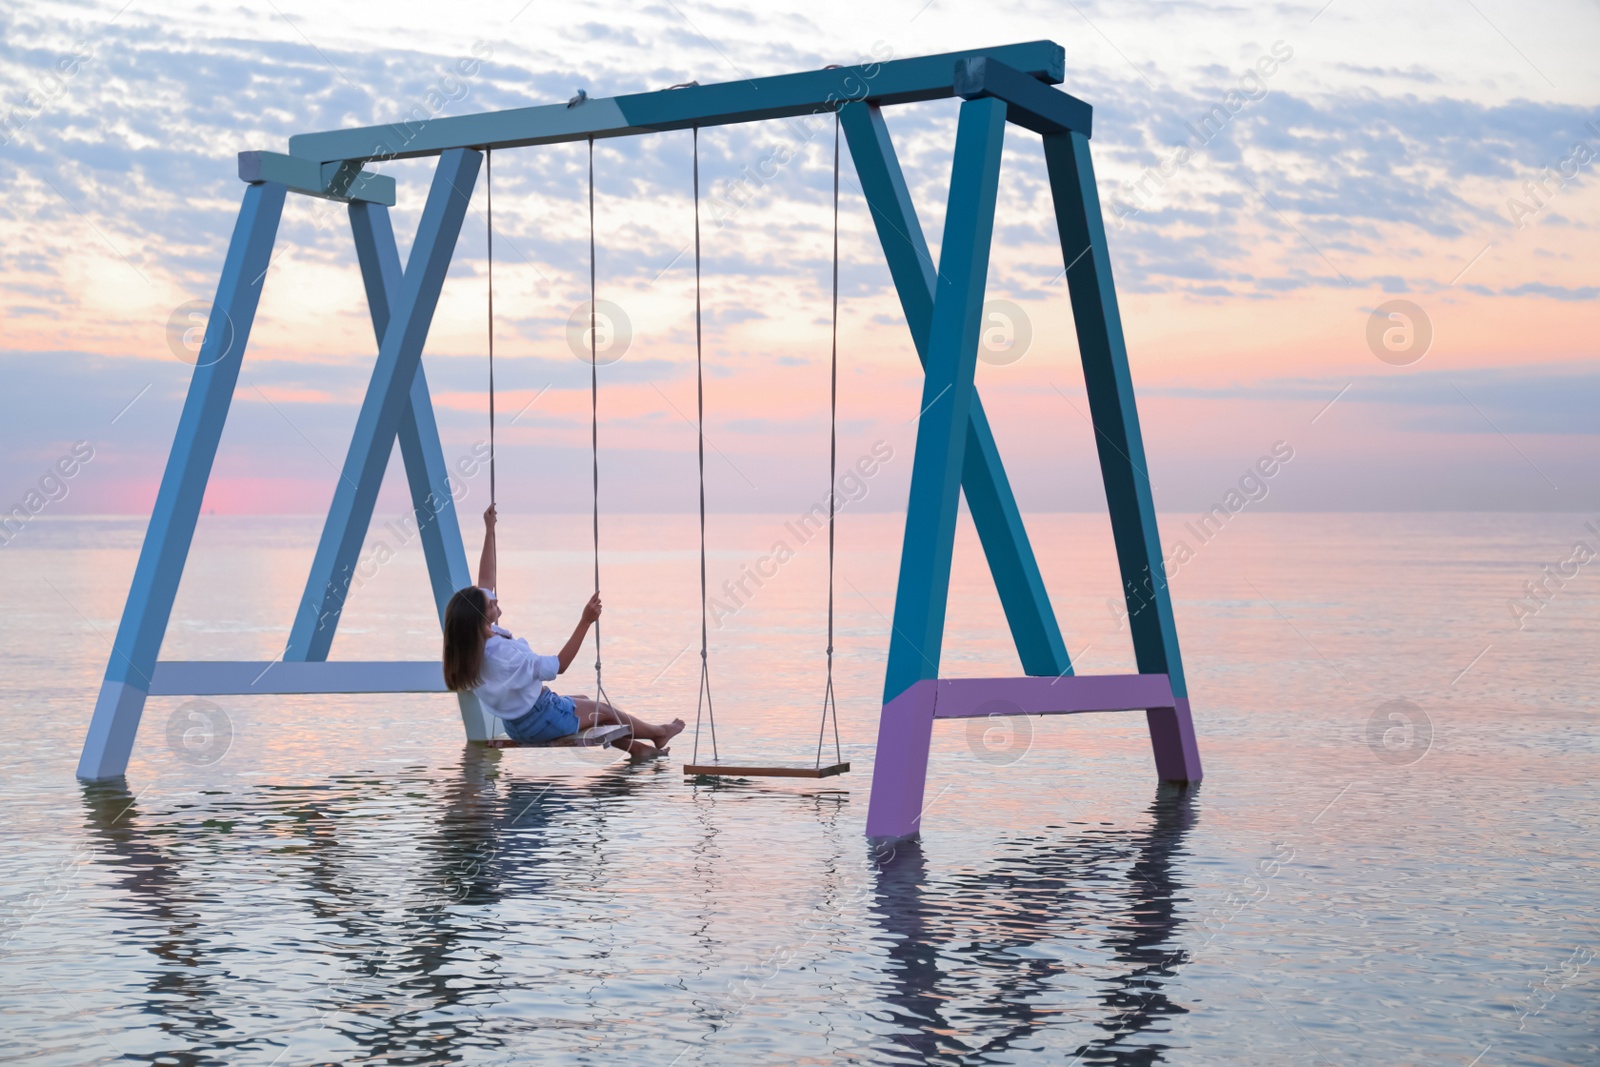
pixel 344 878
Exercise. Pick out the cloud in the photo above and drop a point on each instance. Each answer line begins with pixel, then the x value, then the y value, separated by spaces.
pixel 1556 292
pixel 1548 399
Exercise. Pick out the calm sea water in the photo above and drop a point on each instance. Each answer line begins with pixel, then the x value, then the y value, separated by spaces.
pixel 341 880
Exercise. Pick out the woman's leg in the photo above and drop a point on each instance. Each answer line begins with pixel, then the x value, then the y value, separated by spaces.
pixel 599 713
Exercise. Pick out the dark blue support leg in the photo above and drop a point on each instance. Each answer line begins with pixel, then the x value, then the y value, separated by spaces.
pixel 166 541
pixel 1121 446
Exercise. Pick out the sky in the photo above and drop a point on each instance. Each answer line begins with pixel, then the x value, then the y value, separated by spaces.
pixel 1442 155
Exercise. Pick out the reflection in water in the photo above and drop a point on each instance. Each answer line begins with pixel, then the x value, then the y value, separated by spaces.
pixel 165 909
pixel 390 899
pixel 967 980
pixel 402 937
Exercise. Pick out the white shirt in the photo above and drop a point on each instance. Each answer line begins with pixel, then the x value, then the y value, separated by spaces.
pixel 513 675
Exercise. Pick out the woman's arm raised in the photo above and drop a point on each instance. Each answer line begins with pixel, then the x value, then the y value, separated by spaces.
pixel 487 568
pixel 591 612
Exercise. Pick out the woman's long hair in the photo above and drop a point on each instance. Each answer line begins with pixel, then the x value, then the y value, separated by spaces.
pixel 464 617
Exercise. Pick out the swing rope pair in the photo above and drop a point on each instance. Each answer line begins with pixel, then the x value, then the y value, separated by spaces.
pixel 704 707
pixel 594 390
pixel 830 712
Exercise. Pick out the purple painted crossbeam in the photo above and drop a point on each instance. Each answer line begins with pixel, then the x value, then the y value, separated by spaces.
pixel 901 768
pixel 965 698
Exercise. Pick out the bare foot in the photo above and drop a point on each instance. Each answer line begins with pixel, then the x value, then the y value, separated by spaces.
pixel 668 732
pixel 639 752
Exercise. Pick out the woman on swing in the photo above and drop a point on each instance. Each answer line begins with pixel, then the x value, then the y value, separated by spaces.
pixel 508 677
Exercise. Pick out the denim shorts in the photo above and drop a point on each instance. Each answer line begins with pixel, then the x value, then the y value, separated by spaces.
pixel 552 716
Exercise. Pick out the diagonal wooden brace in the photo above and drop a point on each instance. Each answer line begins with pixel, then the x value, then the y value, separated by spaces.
pixel 432 503
pixel 994 509
pixel 396 404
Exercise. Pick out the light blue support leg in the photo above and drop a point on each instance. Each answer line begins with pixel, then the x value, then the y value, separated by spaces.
pixel 431 502
pixel 389 395
pixel 901 766
pixel 183 485
pixel 426 469
pixel 1121 446
pixel 983 477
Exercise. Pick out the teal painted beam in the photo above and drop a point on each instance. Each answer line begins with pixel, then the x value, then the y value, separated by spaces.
pixel 1030 103
pixel 145 613
pixel 343 181
pixel 993 506
pixel 923 588
pixel 388 398
pixel 1112 407
pixel 892 81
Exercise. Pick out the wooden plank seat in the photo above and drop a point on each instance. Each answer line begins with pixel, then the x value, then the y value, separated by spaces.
pixel 593 737
pixel 731 768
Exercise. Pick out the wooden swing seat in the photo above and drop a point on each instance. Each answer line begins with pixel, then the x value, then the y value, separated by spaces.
pixel 776 769
pixel 593 737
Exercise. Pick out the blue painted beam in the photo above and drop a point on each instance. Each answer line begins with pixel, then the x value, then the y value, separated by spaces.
pixel 388 396
pixel 432 504
pixel 1030 103
pixel 893 81
pixel 427 473
pixel 216 678
pixel 921 594
pixel 148 608
pixel 341 181
pixel 994 509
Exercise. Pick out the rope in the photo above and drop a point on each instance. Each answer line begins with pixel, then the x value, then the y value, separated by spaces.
pixel 488 157
pixel 703 701
pixel 594 428
pixel 830 707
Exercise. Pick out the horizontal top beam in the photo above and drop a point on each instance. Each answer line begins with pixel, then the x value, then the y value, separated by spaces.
pixel 895 81
pixel 340 181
